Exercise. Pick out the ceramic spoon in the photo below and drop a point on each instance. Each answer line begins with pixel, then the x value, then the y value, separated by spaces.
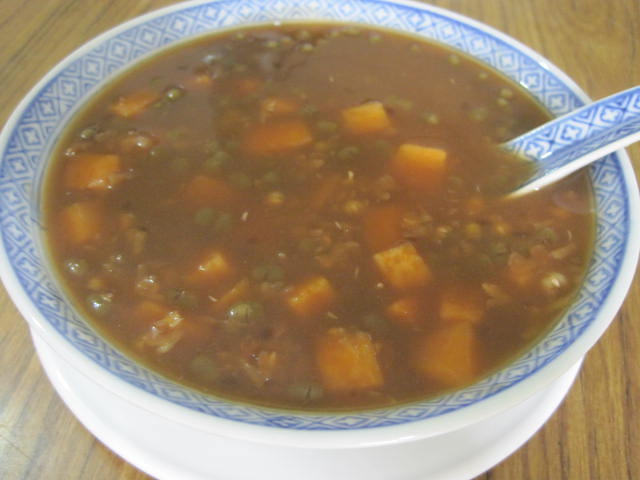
pixel 578 138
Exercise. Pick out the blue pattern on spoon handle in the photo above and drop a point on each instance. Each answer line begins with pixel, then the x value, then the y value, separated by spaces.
pixel 578 138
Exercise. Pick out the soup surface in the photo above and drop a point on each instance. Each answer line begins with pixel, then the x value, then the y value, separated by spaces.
pixel 310 216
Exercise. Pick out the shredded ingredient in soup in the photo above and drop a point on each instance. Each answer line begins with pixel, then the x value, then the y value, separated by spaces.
pixel 311 216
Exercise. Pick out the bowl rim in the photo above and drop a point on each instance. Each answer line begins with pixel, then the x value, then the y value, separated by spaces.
pixel 412 430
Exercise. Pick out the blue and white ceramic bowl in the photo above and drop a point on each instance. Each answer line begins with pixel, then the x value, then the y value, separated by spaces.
pixel 33 129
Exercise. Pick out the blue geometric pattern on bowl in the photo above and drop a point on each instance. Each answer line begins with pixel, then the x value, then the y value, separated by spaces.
pixel 580 135
pixel 38 126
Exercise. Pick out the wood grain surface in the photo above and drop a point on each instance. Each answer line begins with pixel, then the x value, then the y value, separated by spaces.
pixel 595 434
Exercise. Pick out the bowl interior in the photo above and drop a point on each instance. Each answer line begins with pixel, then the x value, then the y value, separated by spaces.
pixel 34 128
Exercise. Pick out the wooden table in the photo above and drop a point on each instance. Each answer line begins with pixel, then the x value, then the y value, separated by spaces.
pixel 596 432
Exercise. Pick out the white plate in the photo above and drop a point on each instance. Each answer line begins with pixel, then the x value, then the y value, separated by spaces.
pixel 29 135
pixel 169 450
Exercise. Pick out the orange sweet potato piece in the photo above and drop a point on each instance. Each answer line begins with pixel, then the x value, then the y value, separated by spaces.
pixel 277 136
pixel 448 355
pixel 163 335
pixel 275 106
pixel 214 267
pixel 240 291
pixel 199 81
pixel 82 222
pixel 475 204
pixel 370 117
pixel 420 168
pixel 311 297
pixel 521 271
pixel 347 361
pixel 204 190
pixel 405 311
pixel 195 336
pixel 134 103
pixel 382 227
pixel 325 191
pixel 126 220
pixel 148 311
pixel 402 267
pixel 461 304
pixel 92 171
pixel 248 85
pixel 559 212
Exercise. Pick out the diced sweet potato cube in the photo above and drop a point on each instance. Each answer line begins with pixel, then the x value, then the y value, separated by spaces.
pixel 204 190
pixel 199 81
pixel 261 368
pixel 195 336
pixel 420 168
pixel 402 267
pixel 92 171
pixel 462 304
pixel 448 355
pixel 213 268
pixel 96 283
pixel 382 227
pixel 275 106
pixel 405 311
pixel 134 103
pixel 499 226
pixel 347 361
pixel 267 361
pixel 148 311
pixel 136 240
pixel 370 117
pixel 521 271
pixel 475 204
pixel 277 137
pixel 559 212
pixel 248 85
pixel 240 291
pixel 312 297
pixel 164 334
pixel 325 191
pixel 82 222
pixel 126 220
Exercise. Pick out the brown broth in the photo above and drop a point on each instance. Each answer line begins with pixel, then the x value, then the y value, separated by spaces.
pixel 232 234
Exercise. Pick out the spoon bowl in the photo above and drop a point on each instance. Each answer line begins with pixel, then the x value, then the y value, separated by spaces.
pixel 572 141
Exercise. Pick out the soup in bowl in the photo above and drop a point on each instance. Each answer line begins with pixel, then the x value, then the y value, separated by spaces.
pixel 295 232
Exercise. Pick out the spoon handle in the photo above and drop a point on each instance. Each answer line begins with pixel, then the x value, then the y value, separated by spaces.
pixel 578 138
